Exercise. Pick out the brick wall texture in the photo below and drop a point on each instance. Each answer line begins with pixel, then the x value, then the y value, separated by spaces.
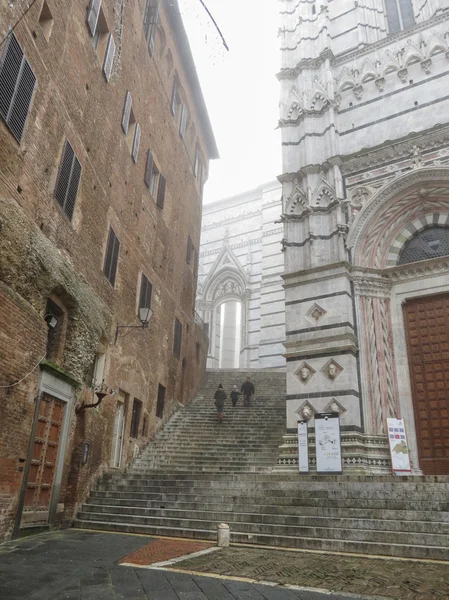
pixel 45 254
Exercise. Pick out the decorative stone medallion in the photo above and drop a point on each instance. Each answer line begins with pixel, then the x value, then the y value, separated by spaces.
pixel 305 373
pixel 332 369
pixel 316 313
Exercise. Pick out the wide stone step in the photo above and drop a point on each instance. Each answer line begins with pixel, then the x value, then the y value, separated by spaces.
pixel 342 545
pixel 100 499
pixel 393 525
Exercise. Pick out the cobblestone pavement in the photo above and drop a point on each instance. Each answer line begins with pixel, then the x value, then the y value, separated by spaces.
pixel 397 579
pixel 82 565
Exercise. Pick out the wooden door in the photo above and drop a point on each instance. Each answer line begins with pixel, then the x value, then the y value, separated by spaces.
pixel 427 330
pixel 117 440
pixel 44 458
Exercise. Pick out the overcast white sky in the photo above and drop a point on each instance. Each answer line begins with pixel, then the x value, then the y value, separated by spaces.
pixel 240 89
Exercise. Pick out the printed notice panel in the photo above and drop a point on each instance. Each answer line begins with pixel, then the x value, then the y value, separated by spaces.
pixel 303 447
pixel 327 440
pixel 399 450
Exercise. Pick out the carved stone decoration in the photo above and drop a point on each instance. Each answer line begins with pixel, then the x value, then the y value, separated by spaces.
pixel 335 407
pixel 332 369
pixel 304 373
pixel 426 66
pixel 228 287
pixel 306 411
pixel 316 313
pixel 380 83
pixel 358 91
pixel 417 160
pixel 403 75
pixel 297 203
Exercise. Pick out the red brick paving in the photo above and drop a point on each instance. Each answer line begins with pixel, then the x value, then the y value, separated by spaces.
pixel 164 549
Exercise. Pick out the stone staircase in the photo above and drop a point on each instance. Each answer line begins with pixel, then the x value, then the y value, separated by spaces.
pixel 197 474
pixel 247 440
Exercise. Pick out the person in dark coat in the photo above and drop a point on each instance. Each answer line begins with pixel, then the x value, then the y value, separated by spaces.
pixel 235 396
pixel 220 397
pixel 247 390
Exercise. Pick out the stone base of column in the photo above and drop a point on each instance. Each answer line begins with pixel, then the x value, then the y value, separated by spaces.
pixel 362 454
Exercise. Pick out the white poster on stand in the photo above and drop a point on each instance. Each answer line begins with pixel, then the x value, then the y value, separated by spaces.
pixel 328 445
pixel 303 447
pixel 397 438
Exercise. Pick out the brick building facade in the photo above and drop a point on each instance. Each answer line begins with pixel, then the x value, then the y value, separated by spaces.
pixel 104 148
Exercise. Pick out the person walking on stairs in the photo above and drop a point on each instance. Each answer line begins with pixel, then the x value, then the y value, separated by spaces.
pixel 235 396
pixel 247 390
pixel 220 397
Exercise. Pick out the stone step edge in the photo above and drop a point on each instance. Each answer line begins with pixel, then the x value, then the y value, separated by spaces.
pixel 240 523
pixel 173 531
pixel 231 512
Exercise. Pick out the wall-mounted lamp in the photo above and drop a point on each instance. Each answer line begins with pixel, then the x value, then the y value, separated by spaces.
pixel 100 391
pixel 145 315
pixel 51 320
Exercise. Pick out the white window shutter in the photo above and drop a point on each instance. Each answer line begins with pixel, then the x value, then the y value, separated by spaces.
pixel 92 15
pixel 109 58
pixel 149 169
pixel 174 98
pixel 183 123
pixel 136 143
pixel 127 112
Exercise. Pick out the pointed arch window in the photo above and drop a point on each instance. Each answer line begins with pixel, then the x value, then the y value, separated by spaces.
pixel 399 15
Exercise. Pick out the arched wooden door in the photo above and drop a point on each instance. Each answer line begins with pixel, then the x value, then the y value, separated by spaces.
pixel 427 330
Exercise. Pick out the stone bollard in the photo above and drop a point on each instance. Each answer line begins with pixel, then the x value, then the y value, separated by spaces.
pixel 223 535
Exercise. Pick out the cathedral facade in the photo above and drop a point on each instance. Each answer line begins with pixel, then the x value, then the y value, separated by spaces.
pixel 365 141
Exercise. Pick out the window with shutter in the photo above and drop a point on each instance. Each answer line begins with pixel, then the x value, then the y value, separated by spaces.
pixel 161 192
pixel 146 290
pixel 17 82
pixel 197 161
pixel 177 341
pixel 175 99
pixel 183 122
pixel 109 58
pixel 149 169
pixel 68 179
pixel 189 250
pixel 111 257
pixel 92 15
pixel 154 19
pixel 126 112
pixel 136 143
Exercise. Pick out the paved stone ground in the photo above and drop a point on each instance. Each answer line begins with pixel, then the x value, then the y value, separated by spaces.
pixel 408 580
pixel 82 565
pixel 162 549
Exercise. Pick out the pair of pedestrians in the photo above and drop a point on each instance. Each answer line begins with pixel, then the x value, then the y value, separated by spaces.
pixel 247 390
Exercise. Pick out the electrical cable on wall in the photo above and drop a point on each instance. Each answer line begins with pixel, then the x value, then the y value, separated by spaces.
pixel 16 23
pixel 23 378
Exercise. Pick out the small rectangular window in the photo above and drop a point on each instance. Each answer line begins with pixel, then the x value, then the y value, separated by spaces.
pixel 161 192
pixel 135 418
pixel 146 290
pixel 189 250
pixel 109 58
pixel 196 164
pixel 399 15
pixel 150 22
pixel 93 14
pixel 177 338
pixel 111 257
pixel 183 122
pixel 175 99
pixel 17 82
pixel 126 112
pixel 136 143
pixel 198 353
pixel 67 182
pixel 160 401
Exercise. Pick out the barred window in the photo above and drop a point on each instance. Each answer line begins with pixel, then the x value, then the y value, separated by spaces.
pixel 431 242
pixel 17 82
pixel 67 182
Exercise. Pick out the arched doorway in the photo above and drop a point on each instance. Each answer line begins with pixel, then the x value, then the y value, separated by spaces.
pixel 230 334
pixel 400 247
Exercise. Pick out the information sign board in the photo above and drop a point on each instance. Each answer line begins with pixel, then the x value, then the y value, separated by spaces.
pixel 303 447
pixel 399 450
pixel 328 444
